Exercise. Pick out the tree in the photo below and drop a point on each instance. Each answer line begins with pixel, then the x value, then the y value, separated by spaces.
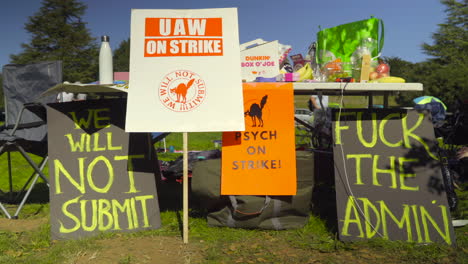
pixel 2 102
pixel 406 70
pixel 122 57
pixel 451 41
pixel 58 33
pixel 399 67
pixel 445 73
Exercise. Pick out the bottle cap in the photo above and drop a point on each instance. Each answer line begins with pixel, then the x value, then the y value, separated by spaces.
pixel 105 38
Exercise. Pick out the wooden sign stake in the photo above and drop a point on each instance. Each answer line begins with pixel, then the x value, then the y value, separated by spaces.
pixel 185 187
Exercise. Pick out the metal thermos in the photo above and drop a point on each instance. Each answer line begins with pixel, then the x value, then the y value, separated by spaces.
pixel 106 71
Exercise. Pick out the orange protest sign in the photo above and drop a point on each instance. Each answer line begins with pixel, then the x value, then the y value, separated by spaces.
pixel 183 37
pixel 187 94
pixel 261 159
pixel 173 27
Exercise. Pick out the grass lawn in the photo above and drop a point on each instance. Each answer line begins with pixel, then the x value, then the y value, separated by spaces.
pixel 27 240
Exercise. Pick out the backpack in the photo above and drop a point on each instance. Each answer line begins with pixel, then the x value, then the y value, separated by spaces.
pixel 249 211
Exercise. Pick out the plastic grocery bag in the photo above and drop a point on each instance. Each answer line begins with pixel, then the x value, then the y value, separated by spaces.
pixel 344 41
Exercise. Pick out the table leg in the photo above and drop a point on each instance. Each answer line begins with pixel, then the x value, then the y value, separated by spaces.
pixel 385 100
pixel 371 101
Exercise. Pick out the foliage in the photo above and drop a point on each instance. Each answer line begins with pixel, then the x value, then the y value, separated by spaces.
pixel 444 75
pixel 2 102
pixel 59 33
pixel 461 212
pixel 399 67
pixel 122 57
pixel 443 81
pixel 452 36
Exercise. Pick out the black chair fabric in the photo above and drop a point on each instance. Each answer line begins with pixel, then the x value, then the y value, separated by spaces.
pixel 25 128
pixel 23 84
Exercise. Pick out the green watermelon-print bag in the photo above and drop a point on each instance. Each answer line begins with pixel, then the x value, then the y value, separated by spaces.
pixel 344 40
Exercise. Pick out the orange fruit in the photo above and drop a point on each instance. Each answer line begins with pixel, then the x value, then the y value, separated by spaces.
pixel 333 66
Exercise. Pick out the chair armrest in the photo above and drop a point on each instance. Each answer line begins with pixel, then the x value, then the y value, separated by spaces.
pixel 33 104
pixel 38 109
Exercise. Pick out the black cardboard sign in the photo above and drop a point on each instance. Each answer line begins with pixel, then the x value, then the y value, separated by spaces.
pixel 101 178
pixel 388 180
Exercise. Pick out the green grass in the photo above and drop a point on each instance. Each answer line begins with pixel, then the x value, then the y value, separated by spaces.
pixel 314 243
pixel 196 141
pixel 228 245
pixel 204 141
pixel 300 101
pixel 20 172
pixel 461 212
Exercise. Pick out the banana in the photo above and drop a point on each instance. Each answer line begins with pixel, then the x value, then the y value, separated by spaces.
pixel 301 70
pixel 305 73
pixel 389 79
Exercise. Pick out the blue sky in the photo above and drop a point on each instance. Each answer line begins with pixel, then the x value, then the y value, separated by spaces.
pixel 408 23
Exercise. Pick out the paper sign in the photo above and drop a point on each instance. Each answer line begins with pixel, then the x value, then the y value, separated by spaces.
pixel 101 178
pixel 184 71
pixel 388 181
pixel 261 159
pixel 260 61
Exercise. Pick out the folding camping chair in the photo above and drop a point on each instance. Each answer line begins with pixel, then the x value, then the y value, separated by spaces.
pixel 25 128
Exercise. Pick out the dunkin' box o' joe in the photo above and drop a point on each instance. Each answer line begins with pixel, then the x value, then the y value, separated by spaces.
pixel 259 59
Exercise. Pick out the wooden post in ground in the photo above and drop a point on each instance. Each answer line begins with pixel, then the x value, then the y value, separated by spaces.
pixel 185 182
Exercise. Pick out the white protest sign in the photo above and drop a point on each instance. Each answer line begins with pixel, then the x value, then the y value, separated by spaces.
pixel 184 71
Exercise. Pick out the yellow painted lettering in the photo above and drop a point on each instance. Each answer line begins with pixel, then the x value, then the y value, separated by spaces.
pixel 351 209
pixel 59 169
pixel 89 174
pixel 104 212
pixel 125 207
pixel 358 158
pixel 131 178
pixel 84 216
pixel 408 132
pixel 105 119
pixel 371 229
pixel 134 213
pixel 109 142
pixel 391 171
pixel 96 143
pixel 426 216
pixel 88 142
pixel 339 127
pixel 76 145
pixel 404 221
pixel 79 123
pixel 382 131
pixel 360 132
pixel 142 200
pixel 75 219
pixel 403 176
pixel 414 209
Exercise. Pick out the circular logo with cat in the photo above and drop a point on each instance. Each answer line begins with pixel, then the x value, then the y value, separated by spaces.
pixel 182 91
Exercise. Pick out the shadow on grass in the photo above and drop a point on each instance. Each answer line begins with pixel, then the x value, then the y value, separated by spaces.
pixel 39 194
pixel 323 195
pixel 171 199
pixel 170 196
